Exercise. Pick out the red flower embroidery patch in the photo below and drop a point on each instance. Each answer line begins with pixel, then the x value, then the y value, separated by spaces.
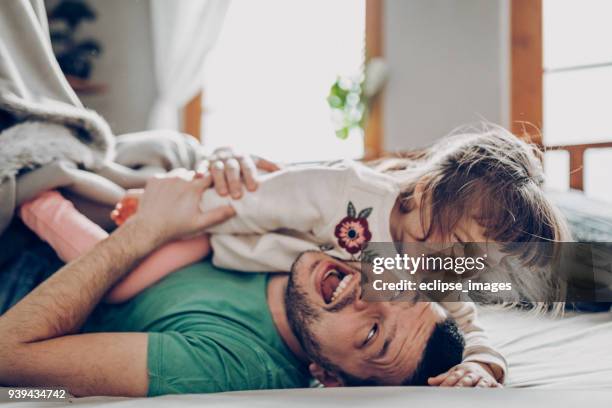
pixel 353 231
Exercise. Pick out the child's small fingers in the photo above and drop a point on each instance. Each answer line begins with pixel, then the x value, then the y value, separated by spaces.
pixel 452 378
pixel 484 383
pixel 468 380
pixel 218 176
pixel 437 379
pixel 434 381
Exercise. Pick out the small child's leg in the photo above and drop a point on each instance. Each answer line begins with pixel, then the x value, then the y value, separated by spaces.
pixel 55 220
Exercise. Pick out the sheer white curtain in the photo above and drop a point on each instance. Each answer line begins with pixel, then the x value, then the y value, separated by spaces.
pixel 184 31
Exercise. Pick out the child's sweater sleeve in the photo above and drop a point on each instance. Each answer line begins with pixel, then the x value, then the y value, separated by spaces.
pixel 278 221
pixel 477 345
pixel 296 198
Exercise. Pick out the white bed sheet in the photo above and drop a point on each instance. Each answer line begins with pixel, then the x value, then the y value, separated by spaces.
pixel 553 363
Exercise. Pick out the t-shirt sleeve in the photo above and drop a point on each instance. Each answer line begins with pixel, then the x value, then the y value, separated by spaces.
pixel 197 363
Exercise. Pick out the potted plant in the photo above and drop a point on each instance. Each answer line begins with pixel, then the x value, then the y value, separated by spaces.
pixel 75 56
pixel 349 98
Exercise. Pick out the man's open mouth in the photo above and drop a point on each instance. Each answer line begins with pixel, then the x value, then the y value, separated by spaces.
pixel 334 282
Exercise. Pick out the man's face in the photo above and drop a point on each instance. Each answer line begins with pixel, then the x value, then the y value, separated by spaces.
pixel 383 341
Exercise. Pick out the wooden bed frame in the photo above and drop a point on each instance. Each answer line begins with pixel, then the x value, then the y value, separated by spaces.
pixel 576 160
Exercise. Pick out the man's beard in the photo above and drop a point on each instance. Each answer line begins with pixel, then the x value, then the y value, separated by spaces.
pixel 300 313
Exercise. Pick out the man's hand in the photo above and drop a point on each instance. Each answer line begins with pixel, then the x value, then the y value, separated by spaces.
pixel 230 170
pixel 469 374
pixel 169 207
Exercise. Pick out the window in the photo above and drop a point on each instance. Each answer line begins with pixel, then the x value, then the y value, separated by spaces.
pixel 267 80
pixel 577 49
pixel 562 79
pixel 577 85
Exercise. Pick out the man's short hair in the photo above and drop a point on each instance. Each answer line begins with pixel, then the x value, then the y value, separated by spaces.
pixel 443 351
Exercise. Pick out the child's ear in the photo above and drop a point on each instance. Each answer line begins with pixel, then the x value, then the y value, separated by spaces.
pixel 325 377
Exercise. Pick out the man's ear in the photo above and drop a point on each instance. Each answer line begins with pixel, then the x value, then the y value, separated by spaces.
pixel 325 377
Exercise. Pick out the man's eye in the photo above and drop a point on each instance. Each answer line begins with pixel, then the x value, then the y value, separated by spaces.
pixel 371 333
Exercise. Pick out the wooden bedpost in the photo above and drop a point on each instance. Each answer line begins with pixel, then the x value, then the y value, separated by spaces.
pixel 373 138
pixel 192 117
pixel 526 69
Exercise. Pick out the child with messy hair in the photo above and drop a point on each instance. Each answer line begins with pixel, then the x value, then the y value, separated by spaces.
pixel 481 186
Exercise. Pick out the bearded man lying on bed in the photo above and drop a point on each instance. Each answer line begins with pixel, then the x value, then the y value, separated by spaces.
pixel 204 329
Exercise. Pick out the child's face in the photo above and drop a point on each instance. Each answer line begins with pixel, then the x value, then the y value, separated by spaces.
pixel 415 224
pixel 413 227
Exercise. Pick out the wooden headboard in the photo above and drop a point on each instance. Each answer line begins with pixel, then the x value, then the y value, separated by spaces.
pixel 576 160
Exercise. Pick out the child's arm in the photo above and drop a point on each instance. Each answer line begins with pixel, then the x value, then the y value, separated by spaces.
pixel 55 220
pixel 479 357
pixel 298 199
pixel 160 263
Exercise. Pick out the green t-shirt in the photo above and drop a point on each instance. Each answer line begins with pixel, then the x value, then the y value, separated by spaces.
pixel 209 330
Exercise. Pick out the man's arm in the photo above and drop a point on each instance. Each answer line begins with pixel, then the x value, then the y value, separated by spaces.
pixel 37 341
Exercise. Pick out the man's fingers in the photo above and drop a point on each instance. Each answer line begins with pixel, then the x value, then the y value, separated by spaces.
pixel 215 216
pixel 249 171
pixel 232 176
pixel 266 165
pixel 218 174
pixel 452 378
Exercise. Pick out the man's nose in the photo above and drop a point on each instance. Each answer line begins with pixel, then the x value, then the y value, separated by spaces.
pixel 382 307
pixel 360 305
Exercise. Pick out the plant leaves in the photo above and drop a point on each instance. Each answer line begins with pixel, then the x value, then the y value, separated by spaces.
pixel 342 133
pixel 365 213
pixel 350 210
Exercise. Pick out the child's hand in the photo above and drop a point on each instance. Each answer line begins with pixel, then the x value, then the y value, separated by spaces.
pixel 127 206
pixel 470 374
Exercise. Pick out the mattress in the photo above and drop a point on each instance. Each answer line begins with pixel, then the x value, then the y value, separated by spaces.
pixel 558 362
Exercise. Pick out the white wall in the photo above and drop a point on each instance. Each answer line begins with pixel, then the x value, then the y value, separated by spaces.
pixel 126 65
pixel 448 65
